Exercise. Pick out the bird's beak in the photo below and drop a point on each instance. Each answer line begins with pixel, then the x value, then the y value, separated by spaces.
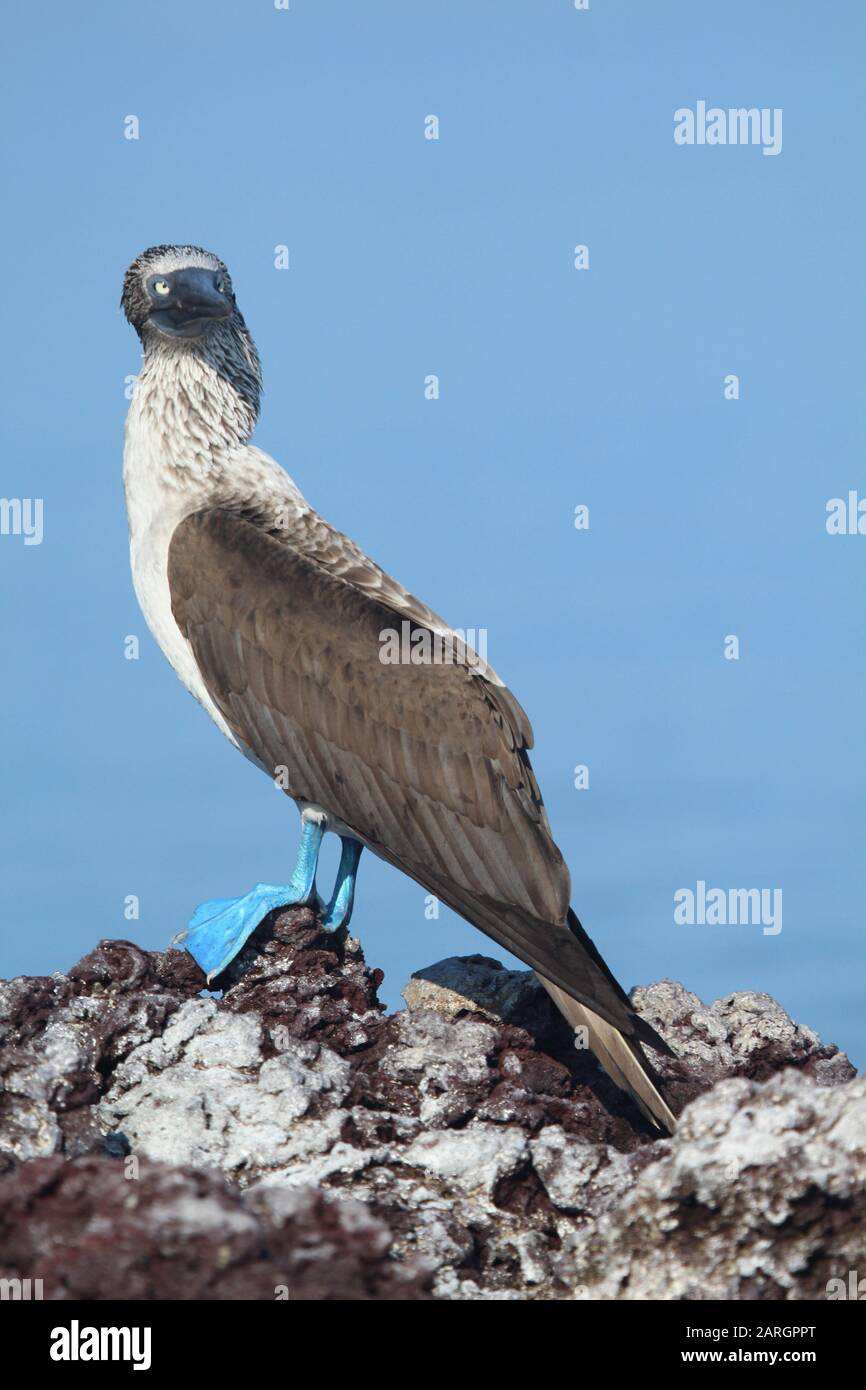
pixel 194 301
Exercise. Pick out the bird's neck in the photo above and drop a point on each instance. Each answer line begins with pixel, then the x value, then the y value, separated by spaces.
pixel 195 402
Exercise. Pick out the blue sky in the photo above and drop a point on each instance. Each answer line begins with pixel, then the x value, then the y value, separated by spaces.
pixel 558 387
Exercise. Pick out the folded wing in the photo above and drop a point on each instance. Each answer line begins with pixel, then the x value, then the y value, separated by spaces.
pixel 426 764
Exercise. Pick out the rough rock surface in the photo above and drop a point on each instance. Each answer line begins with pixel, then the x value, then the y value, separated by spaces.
pixel 289 1139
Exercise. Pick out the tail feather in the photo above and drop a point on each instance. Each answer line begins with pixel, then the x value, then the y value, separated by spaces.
pixel 621 1057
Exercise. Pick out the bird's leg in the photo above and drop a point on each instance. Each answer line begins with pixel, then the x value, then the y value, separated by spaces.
pixel 217 930
pixel 303 882
pixel 339 909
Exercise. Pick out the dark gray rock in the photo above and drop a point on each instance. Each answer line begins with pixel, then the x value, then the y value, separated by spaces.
pixel 462 1147
pixel 761 1195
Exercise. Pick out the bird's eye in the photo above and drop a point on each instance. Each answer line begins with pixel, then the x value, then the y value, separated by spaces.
pixel 221 284
pixel 161 287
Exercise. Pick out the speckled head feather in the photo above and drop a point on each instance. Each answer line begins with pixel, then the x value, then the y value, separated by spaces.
pixel 226 345
pixel 161 260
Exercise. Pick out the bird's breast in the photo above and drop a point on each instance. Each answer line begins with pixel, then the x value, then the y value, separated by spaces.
pixel 155 506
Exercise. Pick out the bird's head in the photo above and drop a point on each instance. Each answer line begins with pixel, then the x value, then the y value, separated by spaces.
pixel 180 301
pixel 177 292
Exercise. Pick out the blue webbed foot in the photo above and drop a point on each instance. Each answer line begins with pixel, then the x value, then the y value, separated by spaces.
pixel 217 930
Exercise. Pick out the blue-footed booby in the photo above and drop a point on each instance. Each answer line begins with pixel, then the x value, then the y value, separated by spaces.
pixel 274 621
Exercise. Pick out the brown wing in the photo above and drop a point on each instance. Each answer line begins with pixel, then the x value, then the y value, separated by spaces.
pixel 427 764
